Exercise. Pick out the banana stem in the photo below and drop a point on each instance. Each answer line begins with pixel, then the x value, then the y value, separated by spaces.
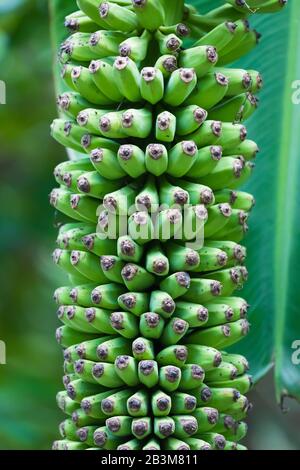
pixel 174 11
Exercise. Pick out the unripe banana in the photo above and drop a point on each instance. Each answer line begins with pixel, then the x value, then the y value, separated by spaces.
pixel 103 77
pixel 219 37
pixel 135 47
pixel 180 85
pixel 150 13
pixel 210 90
pixel 152 85
pixel 127 78
pixel 167 64
pixel 168 44
pixel 165 127
pixel 201 58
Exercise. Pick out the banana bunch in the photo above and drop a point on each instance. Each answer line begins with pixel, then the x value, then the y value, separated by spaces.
pixel 151 220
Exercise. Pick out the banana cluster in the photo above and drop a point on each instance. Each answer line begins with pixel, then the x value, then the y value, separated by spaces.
pixel 150 308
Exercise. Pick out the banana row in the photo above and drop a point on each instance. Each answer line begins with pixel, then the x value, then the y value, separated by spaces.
pixel 183 85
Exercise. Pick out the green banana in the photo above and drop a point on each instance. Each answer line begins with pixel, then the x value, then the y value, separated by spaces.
pixel 185 426
pixel 148 373
pixel 172 355
pixel 138 404
pixel 126 368
pixel 167 64
pixel 202 290
pixel 102 74
pixel 219 37
pixel 182 258
pixel 119 425
pixel 156 261
pixel 78 21
pixel 172 443
pixel 115 403
pixel 104 440
pixel 189 119
pixel 164 427
pixel 142 349
pixel 150 13
pixel 161 403
pixel 169 378
pixel 65 403
pixel 135 302
pixel 165 127
pixel 156 159
pixel 78 390
pixel 140 227
pixel 206 160
pixel 67 133
pixel 119 201
pixel 93 184
pixel 215 440
pixel 238 361
pixel 236 109
pixel 181 158
pixel 112 267
pixel 117 17
pixel 71 103
pixel 65 444
pixel 148 198
pixel 152 445
pixel 168 224
pixel 220 133
pixel 221 336
pixel 91 405
pixel 104 296
pixel 129 250
pixel 152 85
pixel 192 376
pixel 182 403
pixel 176 284
pixel 125 324
pixel 169 43
pixel 170 195
pixel 132 160
pixel 161 303
pixel 237 433
pixel 84 84
pixel 127 77
pixel 210 91
pixel 198 194
pixel 207 357
pixel 247 44
pixel 151 325
pixel 243 384
pixel 227 173
pixel 197 444
pixel 180 85
pixel 174 330
pixel 211 259
pixel 136 278
pixel 237 199
pixel 135 47
pixel 200 58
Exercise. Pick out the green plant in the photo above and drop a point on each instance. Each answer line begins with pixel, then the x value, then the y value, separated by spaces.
pixel 199 107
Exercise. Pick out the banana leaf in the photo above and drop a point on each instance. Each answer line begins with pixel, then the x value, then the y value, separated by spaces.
pixel 273 239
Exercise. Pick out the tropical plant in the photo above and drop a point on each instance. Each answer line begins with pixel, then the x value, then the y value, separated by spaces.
pixel 151 99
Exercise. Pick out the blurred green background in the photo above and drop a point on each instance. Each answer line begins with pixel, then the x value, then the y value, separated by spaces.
pixel 31 377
